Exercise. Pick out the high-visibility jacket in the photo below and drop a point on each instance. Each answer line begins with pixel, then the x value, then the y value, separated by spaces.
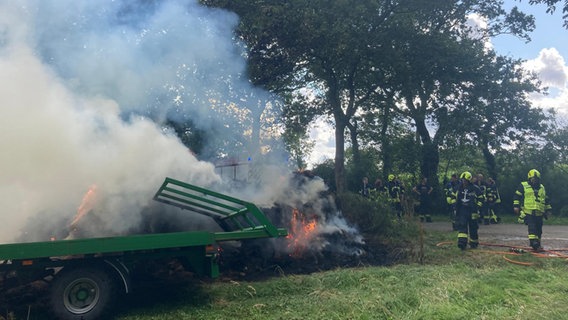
pixel 532 198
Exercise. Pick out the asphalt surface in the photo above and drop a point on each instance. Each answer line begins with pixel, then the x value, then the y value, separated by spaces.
pixel 553 236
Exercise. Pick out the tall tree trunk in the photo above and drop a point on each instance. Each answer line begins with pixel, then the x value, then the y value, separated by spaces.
pixel 489 160
pixel 430 153
pixel 385 141
pixel 341 122
pixel 339 156
pixel 355 149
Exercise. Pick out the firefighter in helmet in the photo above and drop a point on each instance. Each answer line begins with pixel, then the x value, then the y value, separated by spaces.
pixel 492 199
pixel 451 188
pixel 530 198
pixel 423 190
pixel 468 199
pixel 396 194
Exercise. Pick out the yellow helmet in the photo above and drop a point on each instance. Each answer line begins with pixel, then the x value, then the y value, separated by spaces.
pixel 533 173
pixel 391 177
pixel 465 175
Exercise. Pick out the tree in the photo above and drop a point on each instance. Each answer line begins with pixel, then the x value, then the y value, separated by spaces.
pixel 325 47
pixel 440 59
pixel 350 54
pixel 296 119
pixel 500 113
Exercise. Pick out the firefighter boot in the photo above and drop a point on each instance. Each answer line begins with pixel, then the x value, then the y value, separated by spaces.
pixel 462 243
pixel 535 244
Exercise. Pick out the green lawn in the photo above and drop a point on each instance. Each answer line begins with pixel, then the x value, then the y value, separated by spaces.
pixel 450 284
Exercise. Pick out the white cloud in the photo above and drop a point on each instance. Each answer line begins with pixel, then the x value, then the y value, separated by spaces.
pixel 552 70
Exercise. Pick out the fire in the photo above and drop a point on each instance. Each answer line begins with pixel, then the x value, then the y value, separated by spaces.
pixel 87 204
pixel 302 231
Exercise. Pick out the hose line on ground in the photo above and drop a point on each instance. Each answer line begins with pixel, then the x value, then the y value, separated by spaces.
pixel 517 251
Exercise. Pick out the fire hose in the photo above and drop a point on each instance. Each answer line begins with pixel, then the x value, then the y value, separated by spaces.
pixel 517 251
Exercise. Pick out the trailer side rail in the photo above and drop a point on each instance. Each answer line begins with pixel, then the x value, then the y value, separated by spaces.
pixel 238 218
pixel 62 248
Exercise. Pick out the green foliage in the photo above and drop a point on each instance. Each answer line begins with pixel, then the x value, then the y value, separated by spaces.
pixel 556 183
pixel 297 116
pixel 371 215
pixel 367 166
pixel 378 224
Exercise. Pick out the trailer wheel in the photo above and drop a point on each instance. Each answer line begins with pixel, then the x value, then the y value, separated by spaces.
pixel 82 294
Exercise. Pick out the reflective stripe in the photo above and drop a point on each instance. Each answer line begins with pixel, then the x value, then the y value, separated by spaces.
pixel 533 237
pixel 462 235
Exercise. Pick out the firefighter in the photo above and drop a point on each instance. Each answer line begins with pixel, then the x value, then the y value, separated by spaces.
pixel 479 181
pixel 451 188
pixel 423 190
pixel 530 196
pixel 379 191
pixel 366 188
pixel 469 199
pixel 380 186
pixel 492 199
pixel 396 194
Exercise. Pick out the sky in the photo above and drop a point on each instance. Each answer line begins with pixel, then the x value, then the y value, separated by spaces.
pixel 546 54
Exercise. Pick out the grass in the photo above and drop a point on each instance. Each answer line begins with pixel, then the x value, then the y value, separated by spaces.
pixel 457 290
pixel 450 284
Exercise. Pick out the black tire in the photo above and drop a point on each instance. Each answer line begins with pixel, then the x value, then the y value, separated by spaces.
pixel 82 294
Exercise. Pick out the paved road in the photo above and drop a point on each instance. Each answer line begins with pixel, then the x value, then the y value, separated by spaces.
pixel 553 237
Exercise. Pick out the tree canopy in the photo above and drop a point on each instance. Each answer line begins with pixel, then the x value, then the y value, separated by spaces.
pixel 382 71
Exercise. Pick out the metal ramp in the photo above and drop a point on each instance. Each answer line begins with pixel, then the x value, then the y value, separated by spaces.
pixel 239 219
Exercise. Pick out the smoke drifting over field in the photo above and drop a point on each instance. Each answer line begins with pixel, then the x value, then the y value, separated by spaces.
pixel 85 89
pixel 79 82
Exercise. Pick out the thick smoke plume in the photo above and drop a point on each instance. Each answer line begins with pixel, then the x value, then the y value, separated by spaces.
pixel 85 89
pixel 80 81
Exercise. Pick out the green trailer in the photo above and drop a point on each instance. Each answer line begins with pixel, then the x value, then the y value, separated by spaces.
pixel 86 275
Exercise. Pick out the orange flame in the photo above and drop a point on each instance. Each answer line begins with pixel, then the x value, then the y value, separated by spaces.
pixel 302 231
pixel 88 202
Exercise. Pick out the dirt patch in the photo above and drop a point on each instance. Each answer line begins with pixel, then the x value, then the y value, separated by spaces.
pixel 553 237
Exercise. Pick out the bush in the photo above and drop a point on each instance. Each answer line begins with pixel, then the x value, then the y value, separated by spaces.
pixel 372 217
pixel 375 216
pixel 397 239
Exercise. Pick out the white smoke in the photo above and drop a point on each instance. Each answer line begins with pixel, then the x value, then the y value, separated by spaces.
pixel 84 86
pixel 68 71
